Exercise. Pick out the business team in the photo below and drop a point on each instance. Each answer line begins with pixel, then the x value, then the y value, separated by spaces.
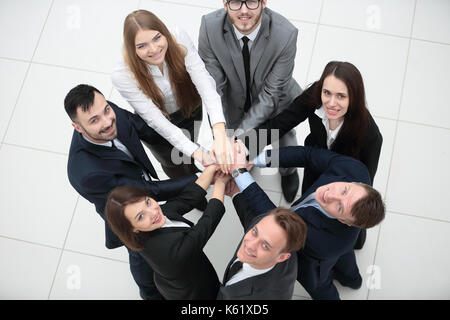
pixel 242 75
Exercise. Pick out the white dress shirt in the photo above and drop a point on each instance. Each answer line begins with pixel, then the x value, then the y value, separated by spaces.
pixel 123 80
pixel 251 37
pixel 331 134
pixel 170 224
pixel 246 272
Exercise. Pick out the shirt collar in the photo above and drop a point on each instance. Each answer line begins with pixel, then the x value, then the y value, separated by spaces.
pixel 321 114
pixel 249 268
pixel 315 204
pixel 105 144
pixel 251 36
pixel 154 70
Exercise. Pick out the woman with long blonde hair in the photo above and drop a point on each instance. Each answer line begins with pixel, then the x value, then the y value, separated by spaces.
pixel 165 81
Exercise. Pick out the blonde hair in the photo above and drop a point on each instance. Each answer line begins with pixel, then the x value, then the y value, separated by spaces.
pixel 185 92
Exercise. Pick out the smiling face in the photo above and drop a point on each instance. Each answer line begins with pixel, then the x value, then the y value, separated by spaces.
pixel 335 98
pixel 262 245
pixel 338 198
pixel 145 215
pixel 244 19
pixel 151 46
pixel 98 124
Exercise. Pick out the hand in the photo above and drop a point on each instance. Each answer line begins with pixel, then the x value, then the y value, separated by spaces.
pixel 231 188
pixel 203 157
pixel 223 178
pixel 240 157
pixel 204 181
pixel 221 153
pixel 222 150
pixel 219 174
pixel 207 160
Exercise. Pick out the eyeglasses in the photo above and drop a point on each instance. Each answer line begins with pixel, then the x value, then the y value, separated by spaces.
pixel 236 5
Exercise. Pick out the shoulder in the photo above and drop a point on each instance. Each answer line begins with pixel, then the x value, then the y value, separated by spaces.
pixel 179 34
pixel 121 74
pixel 279 22
pixel 214 21
pixel 82 163
pixel 118 110
pixel 215 16
pixel 372 126
pixel 373 132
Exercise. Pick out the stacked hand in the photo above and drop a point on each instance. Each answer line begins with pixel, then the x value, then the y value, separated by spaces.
pixel 240 157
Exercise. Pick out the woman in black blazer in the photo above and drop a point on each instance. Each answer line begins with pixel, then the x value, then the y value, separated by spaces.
pixel 171 244
pixel 335 107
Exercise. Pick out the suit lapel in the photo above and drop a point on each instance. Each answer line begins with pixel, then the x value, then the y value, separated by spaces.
pixel 235 50
pixel 175 216
pixel 136 149
pixel 103 152
pixel 260 45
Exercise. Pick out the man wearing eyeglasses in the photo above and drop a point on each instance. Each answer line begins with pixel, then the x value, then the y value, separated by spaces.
pixel 249 50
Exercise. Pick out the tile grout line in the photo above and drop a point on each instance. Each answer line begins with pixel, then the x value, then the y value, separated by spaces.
pixel 56 65
pixel 26 75
pixel 34 149
pixel 63 248
pixel 96 256
pixel 418 217
pixel 315 41
pixel 316 23
pixel 395 132
pixel 66 250
pixel 412 122
pixel 381 33
pixel 29 242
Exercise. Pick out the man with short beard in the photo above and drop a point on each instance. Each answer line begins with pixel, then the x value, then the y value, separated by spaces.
pixel 106 152
pixel 249 51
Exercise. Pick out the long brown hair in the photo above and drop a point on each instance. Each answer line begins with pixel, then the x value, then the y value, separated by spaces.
pixel 118 199
pixel 186 94
pixel 352 133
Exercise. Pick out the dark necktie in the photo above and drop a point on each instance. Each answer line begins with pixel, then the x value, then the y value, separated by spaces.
pixel 246 56
pixel 234 269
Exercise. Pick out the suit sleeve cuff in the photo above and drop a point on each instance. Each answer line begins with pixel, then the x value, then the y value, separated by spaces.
pixel 244 180
pixel 260 160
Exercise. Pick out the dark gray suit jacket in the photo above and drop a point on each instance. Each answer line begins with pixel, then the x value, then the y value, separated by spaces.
pixel 276 284
pixel 271 65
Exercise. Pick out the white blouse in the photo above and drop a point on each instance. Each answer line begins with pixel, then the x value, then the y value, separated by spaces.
pixel 124 81
pixel 331 134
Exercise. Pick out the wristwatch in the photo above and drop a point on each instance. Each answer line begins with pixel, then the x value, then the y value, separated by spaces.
pixel 237 172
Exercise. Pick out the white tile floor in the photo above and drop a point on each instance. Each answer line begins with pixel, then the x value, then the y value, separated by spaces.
pixel 51 240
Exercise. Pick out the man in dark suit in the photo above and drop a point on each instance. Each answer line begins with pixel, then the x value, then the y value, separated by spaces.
pixel 250 50
pixel 106 152
pixel 264 267
pixel 335 207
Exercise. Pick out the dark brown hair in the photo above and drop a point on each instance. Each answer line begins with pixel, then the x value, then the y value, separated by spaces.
pixel 118 199
pixel 369 210
pixel 186 94
pixel 80 96
pixel 352 133
pixel 293 225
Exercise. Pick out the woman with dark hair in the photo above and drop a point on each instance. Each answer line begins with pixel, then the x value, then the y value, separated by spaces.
pixel 171 244
pixel 165 81
pixel 339 120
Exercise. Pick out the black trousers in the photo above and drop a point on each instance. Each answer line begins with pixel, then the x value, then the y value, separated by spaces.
pixel 143 276
pixel 163 152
